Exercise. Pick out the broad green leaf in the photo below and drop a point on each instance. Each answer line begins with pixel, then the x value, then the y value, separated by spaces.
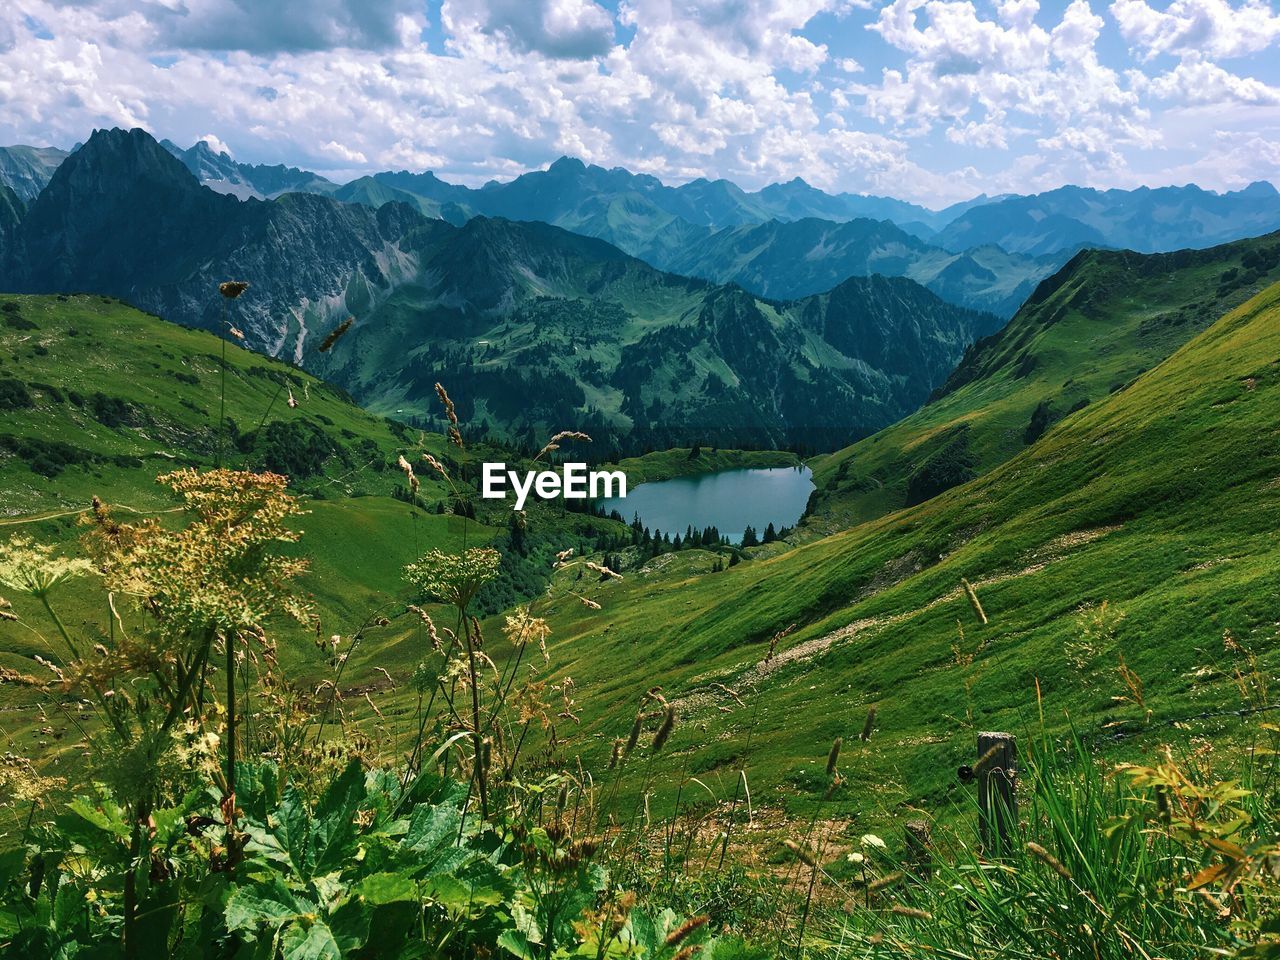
pixel 515 943
pixel 313 941
pixel 108 817
pixel 432 828
pixel 269 903
pixel 380 888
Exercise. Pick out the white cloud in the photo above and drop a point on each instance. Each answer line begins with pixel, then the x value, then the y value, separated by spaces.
pixel 985 81
pixel 751 90
pixel 1200 82
pixel 1196 28
pixel 216 145
pixel 572 29
pixel 343 153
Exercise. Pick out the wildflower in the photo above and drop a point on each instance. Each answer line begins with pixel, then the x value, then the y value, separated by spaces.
pixel 31 568
pixel 219 571
pixel 522 629
pixel 872 841
pixel 454 578
pixel 336 334
pixel 232 288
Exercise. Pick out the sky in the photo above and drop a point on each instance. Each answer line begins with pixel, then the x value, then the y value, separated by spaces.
pixel 932 101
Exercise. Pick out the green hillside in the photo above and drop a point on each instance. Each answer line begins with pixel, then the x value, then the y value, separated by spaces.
pixel 97 399
pixel 1131 534
pixel 1085 334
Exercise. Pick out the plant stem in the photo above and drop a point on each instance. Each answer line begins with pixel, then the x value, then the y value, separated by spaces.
pixel 222 399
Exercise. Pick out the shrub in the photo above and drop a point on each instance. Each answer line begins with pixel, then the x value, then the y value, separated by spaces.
pixel 949 466
pixel 14 395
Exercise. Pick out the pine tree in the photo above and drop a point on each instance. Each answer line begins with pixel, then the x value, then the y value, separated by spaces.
pixel 749 538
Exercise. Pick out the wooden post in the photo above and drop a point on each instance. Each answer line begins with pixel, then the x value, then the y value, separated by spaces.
pixel 997 772
pixel 919 853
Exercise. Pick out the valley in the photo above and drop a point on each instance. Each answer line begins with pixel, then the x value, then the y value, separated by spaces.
pixel 890 485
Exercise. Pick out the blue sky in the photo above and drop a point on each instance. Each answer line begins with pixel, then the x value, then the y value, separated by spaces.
pixel 929 100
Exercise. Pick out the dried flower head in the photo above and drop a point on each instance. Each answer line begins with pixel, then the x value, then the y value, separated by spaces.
pixel 435 465
pixel 449 410
pixel 664 730
pixel 293 404
pixel 604 571
pixel 833 757
pixel 407 469
pixel 232 288
pixel 235 331
pixel 336 334
pixel 681 932
pixel 869 726
pixel 974 602
pixel 554 442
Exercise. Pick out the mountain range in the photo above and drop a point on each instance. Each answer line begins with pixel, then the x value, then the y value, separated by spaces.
pixel 776 317
pixel 533 318
pixel 785 240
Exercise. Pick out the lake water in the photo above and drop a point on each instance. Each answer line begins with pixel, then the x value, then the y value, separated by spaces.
pixel 730 500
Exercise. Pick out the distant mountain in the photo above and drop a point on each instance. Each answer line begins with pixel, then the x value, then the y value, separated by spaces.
pixel 533 322
pixel 777 259
pixel 1145 220
pixel 26 170
pixel 787 240
pixel 553 195
pixel 217 171
pixel 123 216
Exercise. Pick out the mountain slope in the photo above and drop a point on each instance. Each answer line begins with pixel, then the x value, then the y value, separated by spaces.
pixel 1147 501
pixel 532 321
pixel 525 310
pixel 218 172
pixel 122 216
pixel 1146 220
pixel 25 170
pixel 1085 333
pixel 787 240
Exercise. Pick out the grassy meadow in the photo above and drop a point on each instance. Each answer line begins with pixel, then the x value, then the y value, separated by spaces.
pixel 459 732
